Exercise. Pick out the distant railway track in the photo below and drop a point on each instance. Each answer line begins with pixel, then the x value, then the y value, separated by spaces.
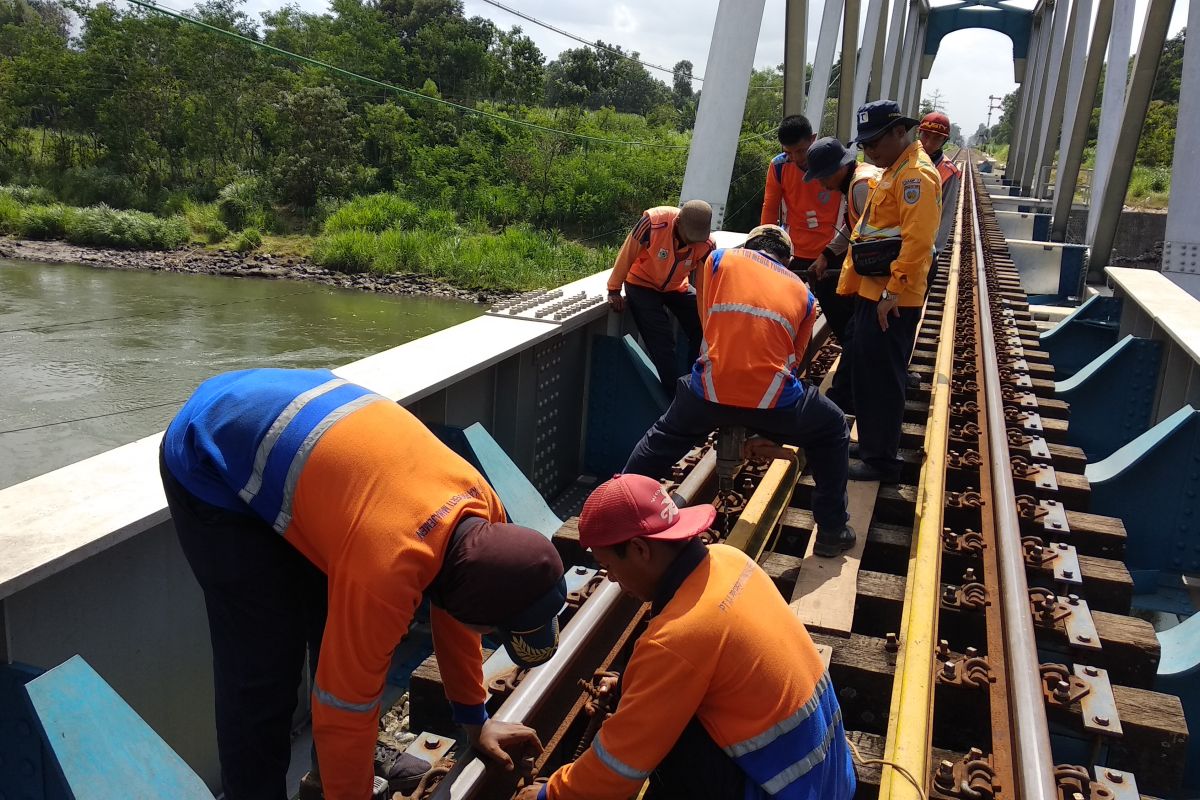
pixel 979 637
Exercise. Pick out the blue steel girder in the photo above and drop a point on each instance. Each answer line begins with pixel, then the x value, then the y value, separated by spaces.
pixel 1015 23
pixel 1083 336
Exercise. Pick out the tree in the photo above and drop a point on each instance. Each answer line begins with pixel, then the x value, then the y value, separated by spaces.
pixel 681 83
pixel 314 146
pixel 956 136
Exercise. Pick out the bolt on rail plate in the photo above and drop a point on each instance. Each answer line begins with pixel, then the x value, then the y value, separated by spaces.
pixel 1055 519
pixel 1099 706
pixel 1121 784
pixel 1081 628
pixel 1066 564
pixel 430 747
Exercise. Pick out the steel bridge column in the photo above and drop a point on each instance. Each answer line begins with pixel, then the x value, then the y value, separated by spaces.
pixel 1033 65
pixel 916 81
pixel 1181 250
pixel 1037 90
pixel 904 57
pixel 1112 105
pixel 719 118
pixel 877 56
pixel 1074 139
pixel 1154 33
pixel 795 34
pixel 866 63
pixel 891 57
pixel 1061 99
pixel 814 107
pixel 846 82
pixel 1049 109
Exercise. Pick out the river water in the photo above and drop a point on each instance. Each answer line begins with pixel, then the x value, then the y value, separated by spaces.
pixel 125 349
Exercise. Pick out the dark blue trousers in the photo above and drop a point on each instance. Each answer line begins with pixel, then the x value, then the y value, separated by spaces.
pixel 814 423
pixel 266 608
pixel 649 309
pixel 879 378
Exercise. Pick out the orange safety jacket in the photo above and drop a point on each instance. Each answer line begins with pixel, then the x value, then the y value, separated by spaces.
pixel 370 496
pixel 812 210
pixel 951 175
pixel 906 202
pixel 725 649
pixel 757 318
pixel 652 256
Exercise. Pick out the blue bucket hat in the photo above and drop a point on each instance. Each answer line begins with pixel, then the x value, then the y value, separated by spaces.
pixel 826 156
pixel 876 118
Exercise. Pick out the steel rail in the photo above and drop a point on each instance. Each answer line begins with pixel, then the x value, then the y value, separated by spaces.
pixel 910 716
pixel 1034 765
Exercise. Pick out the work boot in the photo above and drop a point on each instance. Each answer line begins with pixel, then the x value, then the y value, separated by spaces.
pixel 835 543
pixel 862 471
pixel 854 450
pixel 914 380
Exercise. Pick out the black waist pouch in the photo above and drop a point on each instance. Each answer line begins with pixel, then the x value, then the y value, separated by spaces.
pixel 873 257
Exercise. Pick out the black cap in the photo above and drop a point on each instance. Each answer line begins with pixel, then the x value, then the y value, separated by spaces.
pixel 876 118
pixel 826 156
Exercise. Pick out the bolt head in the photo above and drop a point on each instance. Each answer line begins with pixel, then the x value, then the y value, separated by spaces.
pixel 1068 573
pixel 1100 720
pixel 1114 776
pixel 1083 637
pixel 1091 671
pixel 433 742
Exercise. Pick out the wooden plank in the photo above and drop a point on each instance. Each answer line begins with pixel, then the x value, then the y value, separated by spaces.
pixel 826 654
pixel 823 597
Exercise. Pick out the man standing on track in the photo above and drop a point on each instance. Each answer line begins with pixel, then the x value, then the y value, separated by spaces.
pixel 891 250
pixel 654 264
pixel 314 514
pixel 757 319
pixel 934 132
pixel 834 167
pixel 810 208
pixel 725 696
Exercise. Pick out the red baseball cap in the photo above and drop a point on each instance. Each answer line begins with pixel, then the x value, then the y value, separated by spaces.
pixel 634 506
pixel 936 122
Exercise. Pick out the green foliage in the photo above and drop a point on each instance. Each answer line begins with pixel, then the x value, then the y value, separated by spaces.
pixel 247 240
pixel 376 213
pixel 314 146
pixel 10 215
pixel 346 251
pixel 44 222
pixel 28 195
pixel 204 220
pixel 245 203
pixel 1156 146
pixel 102 226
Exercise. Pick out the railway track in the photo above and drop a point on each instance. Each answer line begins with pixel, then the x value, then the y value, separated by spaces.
pixel 979 635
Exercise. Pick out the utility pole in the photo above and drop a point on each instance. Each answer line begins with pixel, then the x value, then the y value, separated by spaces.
pixel 994 104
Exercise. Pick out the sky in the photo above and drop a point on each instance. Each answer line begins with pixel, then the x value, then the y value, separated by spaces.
pixel 970 65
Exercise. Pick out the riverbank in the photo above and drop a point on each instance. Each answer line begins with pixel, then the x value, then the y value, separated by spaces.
pixel 202 261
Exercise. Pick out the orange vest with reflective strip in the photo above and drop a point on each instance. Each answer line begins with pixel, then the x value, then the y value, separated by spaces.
pixel 662 264
pixel 947 169
pixel 757 317
pixel 812 210
pixel 374 508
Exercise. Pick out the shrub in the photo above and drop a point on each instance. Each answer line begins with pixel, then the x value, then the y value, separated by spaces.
pixel 10 215
pixel 247 240
pixel 244 204
pixel 374 212
pixel 441 220
pixel 205 222
pixel 346 251
pixel 43 222
pixel 101 226
pixel 28 195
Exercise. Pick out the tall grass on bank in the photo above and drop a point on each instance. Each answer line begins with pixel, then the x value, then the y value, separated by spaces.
pixel 518 258
pixel 97 226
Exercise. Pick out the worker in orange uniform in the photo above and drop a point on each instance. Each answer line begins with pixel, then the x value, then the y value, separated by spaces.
pixel 314 514
pixel 659 254
pixel 811 210
pixel 725 696
pixel 757 317
pixel 891 250
pixel 834 167
pixel 934 132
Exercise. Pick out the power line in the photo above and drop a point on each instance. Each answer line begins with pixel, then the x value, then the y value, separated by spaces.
pixel 598 45
pixel 85 419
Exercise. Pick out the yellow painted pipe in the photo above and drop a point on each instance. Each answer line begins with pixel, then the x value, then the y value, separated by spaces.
pixel 765 507
pixel 910 717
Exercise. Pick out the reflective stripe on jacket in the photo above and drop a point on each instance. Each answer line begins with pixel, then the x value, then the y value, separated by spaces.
pixel 756 317
pixel 859 187
pixel 907 203
pixel 812 210
pixel 371 497
pixel 950 175
pixel 653 258
pixel 727 651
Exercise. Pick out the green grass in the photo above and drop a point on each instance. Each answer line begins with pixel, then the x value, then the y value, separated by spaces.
pixel 1149 187
pixel 102 226
pixel 247 240
pixel 376 213
pixel 204 221
pixel 28 195
pixel 519 258
pixel 10 215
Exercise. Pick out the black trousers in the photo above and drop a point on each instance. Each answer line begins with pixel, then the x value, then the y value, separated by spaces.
pixel 879 378
pixel 649 310
pixel 839 310
pixel 696 769
pixel 813 423
pixel 266 607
